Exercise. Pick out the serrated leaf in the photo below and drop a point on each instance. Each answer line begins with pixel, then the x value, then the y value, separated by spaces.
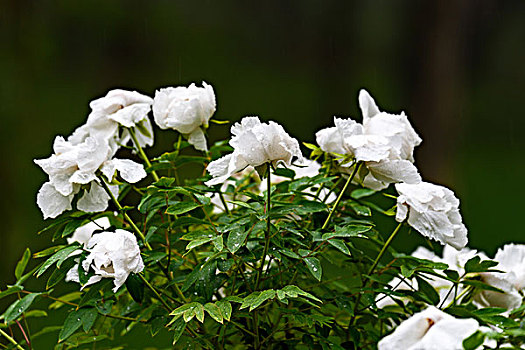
pixel 314 266
pixel 293 291
pixel 214 311
pixel 21 266
pixel 18 307
pixel 182 208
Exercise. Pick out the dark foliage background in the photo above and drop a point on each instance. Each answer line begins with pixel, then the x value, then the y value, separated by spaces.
pixel 455 67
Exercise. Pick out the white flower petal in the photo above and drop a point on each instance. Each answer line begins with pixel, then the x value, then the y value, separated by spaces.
pixel 51 202
pixel 511 258
pixel 94 200
pixel 129 170
pixel 433 212
pixel 254 144
pixel 83 234
pixel 367 104
pixel 428 330
pixel 198 140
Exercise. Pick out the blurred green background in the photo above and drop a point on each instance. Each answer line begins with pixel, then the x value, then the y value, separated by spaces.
pixel 455 67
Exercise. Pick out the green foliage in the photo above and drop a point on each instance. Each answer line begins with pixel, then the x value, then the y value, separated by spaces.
pixel 243 276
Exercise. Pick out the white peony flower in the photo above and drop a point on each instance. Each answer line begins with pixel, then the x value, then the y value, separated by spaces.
pixel 73 166
pixel 430 329
pixel 511 259
pixel 83 234
pixel 254 144
pixel 384 142
pixel 111 255
pixel 128 109
pixel 433 211
pixel 187 110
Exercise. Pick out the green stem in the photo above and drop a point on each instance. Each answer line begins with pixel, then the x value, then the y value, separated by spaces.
pixel 356 169
pixel 372 268
pixel 126 216
pixel 383 250
pixel 166 305
pixel 141 152
pixel 14 342
pixel 225 205
pixel 268 228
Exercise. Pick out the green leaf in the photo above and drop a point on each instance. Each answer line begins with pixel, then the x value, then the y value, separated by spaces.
pixel 59 274
pixel 314 265
pixel 218 243
pixel 10 290
pixel 58 258
pixel 360 209
pixel 226 309
pixel 198 242
pixel 21 266
pixel 236 240
pixel 214 311
pixel 476 265
pixel 425 288
pixel 361 193
pixel 18 307
pixel 340 244
pixel 199 312
pixel 135 287
pixel 178 328
pixel 88 317
pixel 347 231
pixel 48 251
pixel 181 208
pixel 294 291
pixel 71 324
pixel 285 172
pixel 474 341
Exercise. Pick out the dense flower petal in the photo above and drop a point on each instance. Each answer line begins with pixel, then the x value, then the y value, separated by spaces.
pixel 254 144
pixel 185 109
pixel 384 142
pixel 433 211
pixel 430 329
pixel 113 255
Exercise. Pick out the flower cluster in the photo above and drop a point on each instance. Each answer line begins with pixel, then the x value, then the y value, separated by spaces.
pixel 262 223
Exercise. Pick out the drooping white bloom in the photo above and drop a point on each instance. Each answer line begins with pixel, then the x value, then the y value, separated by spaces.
pixel 73 166
pixel 511 259
pixel 128 109
pixel 254 144
pixel 111 255
pixel 384 142
pixel 84 233
pixel 433 211
pixel 430 329
pixel 187 110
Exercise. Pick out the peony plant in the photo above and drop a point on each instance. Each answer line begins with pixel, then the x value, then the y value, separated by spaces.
pixel 266 249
